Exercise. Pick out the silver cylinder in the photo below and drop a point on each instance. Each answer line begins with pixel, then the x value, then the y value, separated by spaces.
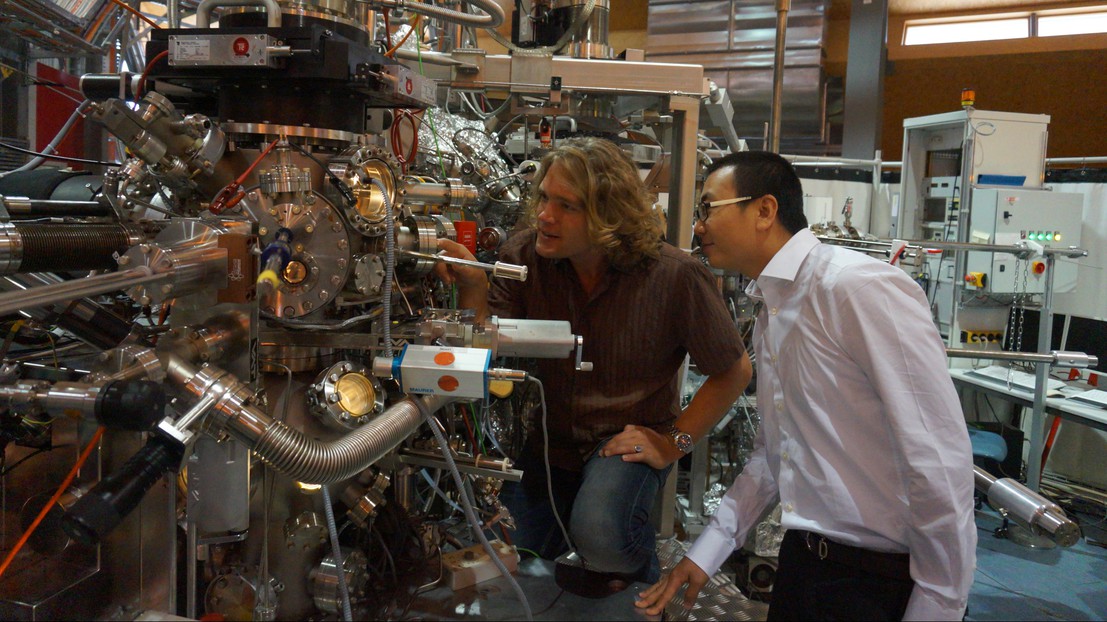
pixel 1029 508
pixel 549 339
pixel 450 194
pixel 591 39
pixel 77 288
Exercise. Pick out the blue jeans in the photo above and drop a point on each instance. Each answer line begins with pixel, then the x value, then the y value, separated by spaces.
pixel 606 509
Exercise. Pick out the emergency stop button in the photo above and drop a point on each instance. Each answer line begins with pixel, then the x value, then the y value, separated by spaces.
pixel 241 46
pixel 1038 267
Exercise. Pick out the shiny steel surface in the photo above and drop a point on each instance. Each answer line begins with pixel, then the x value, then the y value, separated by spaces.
pixel 324 579
pixel 320 250
pixel 734 41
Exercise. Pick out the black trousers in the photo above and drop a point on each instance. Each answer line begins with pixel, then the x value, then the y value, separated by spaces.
pixel 809 588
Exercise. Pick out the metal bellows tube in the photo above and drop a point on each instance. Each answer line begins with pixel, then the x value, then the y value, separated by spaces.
pixel 289 451
pixel 42 247
pixel 315 462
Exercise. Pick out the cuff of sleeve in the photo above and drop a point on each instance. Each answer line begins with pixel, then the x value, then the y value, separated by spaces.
pixel 923 606
pixel 710 550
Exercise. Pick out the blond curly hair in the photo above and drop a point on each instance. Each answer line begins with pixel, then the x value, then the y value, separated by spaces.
pixel 620 210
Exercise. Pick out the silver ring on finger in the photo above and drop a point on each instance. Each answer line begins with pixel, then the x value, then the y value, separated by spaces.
pixel 637 449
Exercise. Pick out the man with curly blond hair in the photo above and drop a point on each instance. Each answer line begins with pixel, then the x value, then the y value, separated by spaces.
pixel 596 258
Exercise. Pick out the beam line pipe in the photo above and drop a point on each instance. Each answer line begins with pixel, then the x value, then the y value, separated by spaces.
pixel 13 301
pixel 1056 358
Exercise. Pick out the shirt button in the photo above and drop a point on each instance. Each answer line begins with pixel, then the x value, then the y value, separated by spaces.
pixel 788 507
pixel 784 455
pixel 772 358
pixel 779 404
pixel 773 311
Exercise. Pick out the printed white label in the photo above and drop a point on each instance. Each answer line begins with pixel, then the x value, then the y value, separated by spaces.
pixel 193 50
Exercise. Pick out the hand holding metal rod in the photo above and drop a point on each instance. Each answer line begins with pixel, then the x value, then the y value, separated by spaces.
pixel 498 269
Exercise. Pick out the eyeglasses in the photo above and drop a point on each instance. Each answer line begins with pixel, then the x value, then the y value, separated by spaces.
pixel 703 208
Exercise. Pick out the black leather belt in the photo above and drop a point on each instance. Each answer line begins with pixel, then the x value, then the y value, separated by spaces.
pixel 889 565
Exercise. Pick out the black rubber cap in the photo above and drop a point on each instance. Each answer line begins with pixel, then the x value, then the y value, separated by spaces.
pixel 101 509
pixel 136 405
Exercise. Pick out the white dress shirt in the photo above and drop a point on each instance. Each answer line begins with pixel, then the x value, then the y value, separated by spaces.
pixel 862 436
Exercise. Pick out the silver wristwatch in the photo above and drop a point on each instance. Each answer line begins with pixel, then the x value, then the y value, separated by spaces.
pixel 682 440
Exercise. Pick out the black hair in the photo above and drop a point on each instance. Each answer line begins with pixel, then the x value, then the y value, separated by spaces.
pixel 758 173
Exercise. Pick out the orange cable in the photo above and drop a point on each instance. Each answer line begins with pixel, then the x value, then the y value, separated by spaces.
pixel 50 504
pixel 137 13
pixel 250 169
pixel 414 25
pixel 104 13
pixel 150 65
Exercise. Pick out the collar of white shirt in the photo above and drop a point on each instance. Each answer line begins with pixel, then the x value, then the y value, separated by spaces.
pixel 786 263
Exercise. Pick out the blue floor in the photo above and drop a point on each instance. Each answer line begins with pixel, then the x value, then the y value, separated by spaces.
pixel 1014 582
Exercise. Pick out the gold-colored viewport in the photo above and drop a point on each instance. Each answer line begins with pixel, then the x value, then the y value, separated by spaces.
pixel 356 394
pixel 295 272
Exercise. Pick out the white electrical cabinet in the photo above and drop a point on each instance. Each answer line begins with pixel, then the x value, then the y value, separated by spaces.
pixel 1008 216
pixel 981 144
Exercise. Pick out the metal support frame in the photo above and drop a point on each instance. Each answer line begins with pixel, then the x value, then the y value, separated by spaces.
pixel 868 33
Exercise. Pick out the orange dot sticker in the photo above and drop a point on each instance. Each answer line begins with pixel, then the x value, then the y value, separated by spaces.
pixel 448 383
pixel 444 358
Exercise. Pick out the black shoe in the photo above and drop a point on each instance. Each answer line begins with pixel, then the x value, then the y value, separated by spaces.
pixel 571 576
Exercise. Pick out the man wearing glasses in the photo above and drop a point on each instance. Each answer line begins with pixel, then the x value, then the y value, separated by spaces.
pixel 595 258
pixel 862 439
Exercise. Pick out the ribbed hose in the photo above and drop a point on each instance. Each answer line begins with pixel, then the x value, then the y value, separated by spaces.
pixel 493 18
pixel 54 248
pixel 311 461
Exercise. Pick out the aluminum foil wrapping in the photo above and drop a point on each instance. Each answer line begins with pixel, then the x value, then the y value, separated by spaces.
pixel 768 535
pixel 712 498
pixel 447 126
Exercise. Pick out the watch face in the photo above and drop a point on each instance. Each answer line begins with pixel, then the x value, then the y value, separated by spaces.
pixel 684 442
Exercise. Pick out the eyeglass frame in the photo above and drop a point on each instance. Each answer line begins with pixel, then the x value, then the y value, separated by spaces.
pixel 703 207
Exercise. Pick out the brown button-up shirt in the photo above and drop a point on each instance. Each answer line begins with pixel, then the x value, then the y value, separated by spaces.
pixel 637 326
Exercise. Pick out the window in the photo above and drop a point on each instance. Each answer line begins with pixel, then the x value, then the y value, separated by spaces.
pixel 1072 24
pixel 959 32
pixel 1087 20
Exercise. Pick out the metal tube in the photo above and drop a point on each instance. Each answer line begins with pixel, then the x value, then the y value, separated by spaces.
pixel 449 194
pixel 1027 507
pixel 1056 357
pixel 498 269
pixel 1001 248
pixel 1037 419
pixel 190 569
pixel 11 302
pixel 478 465
pixel 494 15
pixel 174 16
pixel 20 208
pixel 85 319
pixel 298 456
pixel 782 8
